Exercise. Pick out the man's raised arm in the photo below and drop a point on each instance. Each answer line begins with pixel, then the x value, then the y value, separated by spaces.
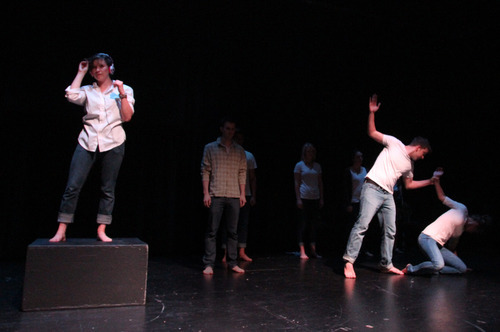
pixel 372 130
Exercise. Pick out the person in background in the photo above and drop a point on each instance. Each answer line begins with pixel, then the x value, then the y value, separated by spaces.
pixel 353 179
pixel 223 172
pixel 251 197
pixel 309 196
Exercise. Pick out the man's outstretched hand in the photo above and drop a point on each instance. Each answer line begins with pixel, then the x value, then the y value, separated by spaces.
pixel 373 105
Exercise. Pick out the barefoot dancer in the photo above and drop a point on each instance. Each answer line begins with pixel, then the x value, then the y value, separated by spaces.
pixel 447 229
pixel 223 173
pixel 108 103
pixel 308 181
pixel 394 161
pixel 251 196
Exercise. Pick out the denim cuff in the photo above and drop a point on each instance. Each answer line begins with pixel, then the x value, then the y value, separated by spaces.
pixel 104 219
pixel 348 259
pixel 385 268
pixel 65 218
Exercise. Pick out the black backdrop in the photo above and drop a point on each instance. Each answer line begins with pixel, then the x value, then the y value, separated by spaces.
pixel 291 71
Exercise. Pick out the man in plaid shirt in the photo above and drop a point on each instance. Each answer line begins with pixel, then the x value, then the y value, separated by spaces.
pixel 223 172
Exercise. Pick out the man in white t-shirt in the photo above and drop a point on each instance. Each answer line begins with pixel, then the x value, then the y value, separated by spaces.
pixel 395 160
pixel 446 229
pixel 251 196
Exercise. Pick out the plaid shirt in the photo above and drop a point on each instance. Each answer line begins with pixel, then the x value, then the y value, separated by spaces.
pixel 225 168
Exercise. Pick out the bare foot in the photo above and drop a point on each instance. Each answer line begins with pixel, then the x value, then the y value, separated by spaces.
pixel 243 256
pixel 405 270
pixel 224 258
pixel 315 255
pixel 313 252
pixel 101 233
pixel 208 270
pixel 237 269
pixel 58 238
pixel 393 270
pixel 101 236
pixel 349 271
pixel 60 234
pixel 303 252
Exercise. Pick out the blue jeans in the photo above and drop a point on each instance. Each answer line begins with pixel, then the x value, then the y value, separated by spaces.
pixel 81 164
pixel 230 208
pixel 441 261
pixel 374 200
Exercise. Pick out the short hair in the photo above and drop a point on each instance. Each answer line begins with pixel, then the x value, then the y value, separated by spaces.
pixel 307 146
pixel 483 220
pixel 227 119
pixel 422 142
pixel 102 56
pixel 354 152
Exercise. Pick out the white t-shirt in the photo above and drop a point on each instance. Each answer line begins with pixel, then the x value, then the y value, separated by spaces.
pixel 450 224
pixel 251 164
pixel 309 186
pixel 357 183
pixel 391 164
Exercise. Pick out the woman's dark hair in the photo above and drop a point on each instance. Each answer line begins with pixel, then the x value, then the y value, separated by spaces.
pixel 103 56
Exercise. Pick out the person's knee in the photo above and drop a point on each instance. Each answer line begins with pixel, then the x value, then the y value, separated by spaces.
pixel 232 235
pixel 72 190
pixel 437 266
pixel 210 234
pixel 360 229
pixel 390 235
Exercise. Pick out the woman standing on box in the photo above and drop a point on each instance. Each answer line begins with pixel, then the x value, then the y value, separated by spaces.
pixel 108 103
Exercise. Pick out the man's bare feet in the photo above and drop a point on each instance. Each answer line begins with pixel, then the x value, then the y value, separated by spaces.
pixel 208 270
pixel 393 270
pixel 101 234
pixel 60 234
pixel 224 258
pixel 244 256
pixel 405 270
pixel 237 269
pixel 349 271
pixel 314 254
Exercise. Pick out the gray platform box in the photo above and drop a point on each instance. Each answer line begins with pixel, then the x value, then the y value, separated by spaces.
pixel 85 273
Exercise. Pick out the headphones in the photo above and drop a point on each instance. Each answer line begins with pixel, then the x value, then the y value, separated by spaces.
pixel 106 58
